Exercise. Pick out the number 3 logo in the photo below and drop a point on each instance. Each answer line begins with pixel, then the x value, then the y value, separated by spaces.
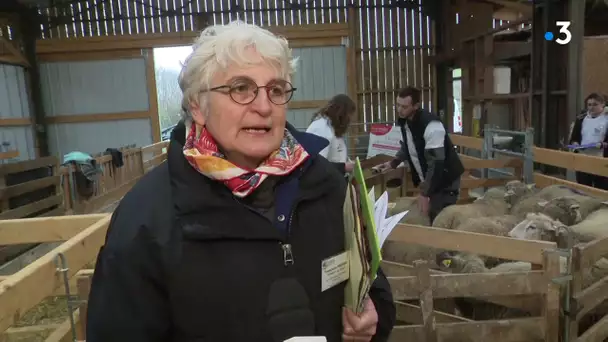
pixel 563 29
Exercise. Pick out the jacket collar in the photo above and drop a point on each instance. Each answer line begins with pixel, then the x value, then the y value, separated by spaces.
pixel 414 119
pixel 193 191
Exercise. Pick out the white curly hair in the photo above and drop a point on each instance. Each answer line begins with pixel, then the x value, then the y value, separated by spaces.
pixel 220 46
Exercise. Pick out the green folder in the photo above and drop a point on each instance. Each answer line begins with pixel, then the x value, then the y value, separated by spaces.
pixel 367 209
pixel 361 241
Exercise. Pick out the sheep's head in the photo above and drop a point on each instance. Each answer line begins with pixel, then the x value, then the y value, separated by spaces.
pixel 514 190
pixel 538 226
pixel 456 262
pixel 564 209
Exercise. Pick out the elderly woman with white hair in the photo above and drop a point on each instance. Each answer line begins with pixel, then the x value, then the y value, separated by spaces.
pixel 228 240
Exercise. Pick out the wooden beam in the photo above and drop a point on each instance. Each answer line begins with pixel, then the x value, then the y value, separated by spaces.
pixel 307 104
pixel 90 56
pixel 45 229
pixel 28 287
pixel 9 154
pixel 314 32
pixel 153 112
pixel 508 50
pixel 496 246
pixel 12 122
pixel 574 68
pixel 524 8
pixel 14 52
pixel 507 14
pixel 78 118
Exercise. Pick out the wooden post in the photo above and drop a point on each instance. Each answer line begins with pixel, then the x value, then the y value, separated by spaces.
pixel 551 306
pixel 423 275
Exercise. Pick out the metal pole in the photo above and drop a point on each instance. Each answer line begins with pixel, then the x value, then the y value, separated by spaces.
pixel 529 156
pixel 62 267
pixel 508 153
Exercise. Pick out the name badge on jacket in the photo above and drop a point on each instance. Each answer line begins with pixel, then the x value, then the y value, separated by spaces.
pixel 334 270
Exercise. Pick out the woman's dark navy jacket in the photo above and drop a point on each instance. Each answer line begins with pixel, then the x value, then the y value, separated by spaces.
pixel 184 260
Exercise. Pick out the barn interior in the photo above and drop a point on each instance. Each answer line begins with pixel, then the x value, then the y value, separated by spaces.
pixel 83 76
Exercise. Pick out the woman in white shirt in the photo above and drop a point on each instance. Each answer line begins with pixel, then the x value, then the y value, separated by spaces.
pixel 331 122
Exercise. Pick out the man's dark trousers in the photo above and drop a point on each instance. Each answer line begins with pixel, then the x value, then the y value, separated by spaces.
pixel 440 200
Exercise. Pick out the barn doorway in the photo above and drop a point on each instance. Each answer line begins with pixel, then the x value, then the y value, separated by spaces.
pixel 168 63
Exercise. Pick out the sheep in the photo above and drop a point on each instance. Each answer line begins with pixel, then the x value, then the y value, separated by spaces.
pixel 414 216
pixel 407 253
pixel 564 209
pixel 492 225
pixel 516 190
pixel 492 203
pixel 477 310
pixel 593 226
pixel 455 262
pixel 470 307
pixel 541 227
pixel 524 202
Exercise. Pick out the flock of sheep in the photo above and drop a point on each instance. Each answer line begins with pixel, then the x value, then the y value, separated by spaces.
pixel 556 213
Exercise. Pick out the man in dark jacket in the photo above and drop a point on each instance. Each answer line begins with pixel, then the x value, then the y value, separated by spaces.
pixel 434 164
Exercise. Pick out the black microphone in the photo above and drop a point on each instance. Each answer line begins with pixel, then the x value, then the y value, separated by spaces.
pixel 288 311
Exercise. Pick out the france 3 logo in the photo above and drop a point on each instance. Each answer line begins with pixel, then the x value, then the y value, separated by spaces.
pixel 564 35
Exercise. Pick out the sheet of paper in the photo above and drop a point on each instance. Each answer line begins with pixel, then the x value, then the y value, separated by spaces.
pixel 388 225
pixel 380 208
pixel 307 339
pixel 372 195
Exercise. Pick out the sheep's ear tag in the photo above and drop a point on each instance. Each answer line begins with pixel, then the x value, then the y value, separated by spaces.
pixel 542 204
pixel 531 186
pixel 605 203
pixel 447 262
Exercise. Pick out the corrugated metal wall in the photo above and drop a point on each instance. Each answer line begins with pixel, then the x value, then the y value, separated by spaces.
pixel 96 87
pixel 14 104
pixel 321 74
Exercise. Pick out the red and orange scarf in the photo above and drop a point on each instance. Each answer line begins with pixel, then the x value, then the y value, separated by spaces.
pixel 203 154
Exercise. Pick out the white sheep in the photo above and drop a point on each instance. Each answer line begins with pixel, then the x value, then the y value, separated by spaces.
pixel 564 209
pixel 454 262
pixel 540 227
pixel 407 253
pixel 470 307
pixel 492 203
pixel 478 310
pixel 414 216
pixel 522 204
pixel 593 226
pixel 537 226
pixel 491 225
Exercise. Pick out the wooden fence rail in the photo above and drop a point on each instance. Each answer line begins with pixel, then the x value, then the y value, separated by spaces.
pixel 81 237
pixel 418 282
pixel 583 300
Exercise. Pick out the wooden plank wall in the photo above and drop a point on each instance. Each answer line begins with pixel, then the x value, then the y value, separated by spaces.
pixel 394 48
pixel 392 44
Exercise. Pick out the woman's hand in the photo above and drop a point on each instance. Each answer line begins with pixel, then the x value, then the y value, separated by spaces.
pixel 360 327
pixel 349 166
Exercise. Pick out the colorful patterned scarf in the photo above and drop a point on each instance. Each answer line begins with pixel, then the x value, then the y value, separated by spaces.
pixel 203 154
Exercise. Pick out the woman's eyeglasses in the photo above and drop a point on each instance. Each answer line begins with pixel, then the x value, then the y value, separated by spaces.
pixel 245 91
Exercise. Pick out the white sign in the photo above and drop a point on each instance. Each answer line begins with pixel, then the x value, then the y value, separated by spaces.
pixel 334 270
pixel 384 139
